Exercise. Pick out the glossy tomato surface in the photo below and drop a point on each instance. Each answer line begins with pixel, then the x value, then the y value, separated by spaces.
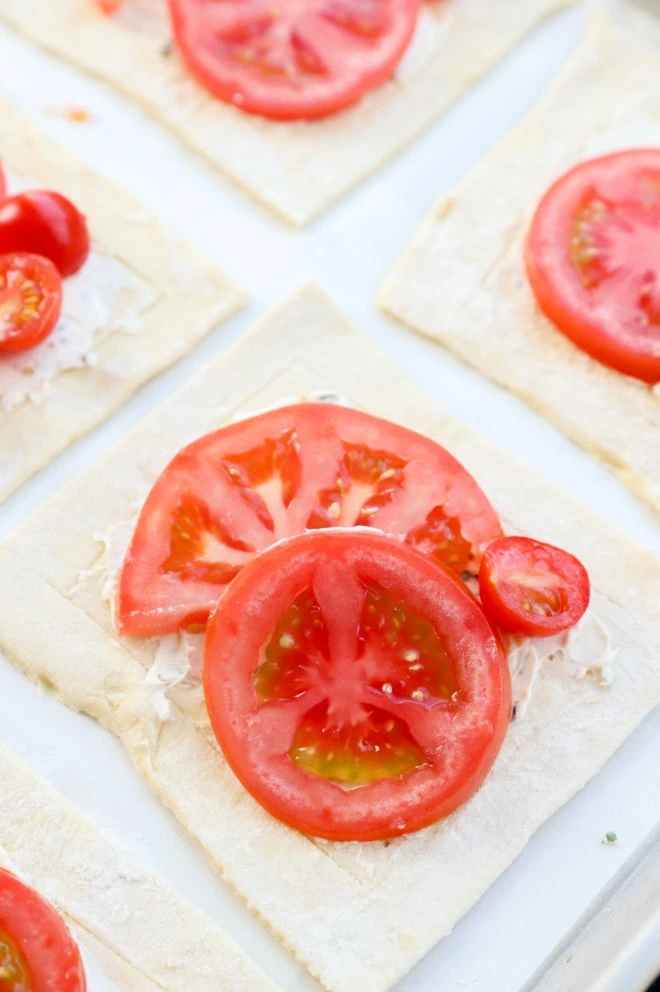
pixel 593 259
pixel 233 493
pixel 527 587
pixel 355 687
pixel 45 223
pixel 292 59
pixel 37 952
pixel 30 300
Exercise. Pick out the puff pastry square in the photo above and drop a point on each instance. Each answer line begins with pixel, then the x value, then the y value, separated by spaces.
pixel 296 169
pixel 100 888
pixel 462 281
pixel 184 299
pixel 357 915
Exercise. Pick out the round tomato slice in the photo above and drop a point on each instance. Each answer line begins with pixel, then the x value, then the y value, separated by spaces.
pixel 232 493
pixel 37 952
pixel 593 259
pixel 356 688
pixel 292 59
pixel 47 224
pixel 531 588
pixel 30 300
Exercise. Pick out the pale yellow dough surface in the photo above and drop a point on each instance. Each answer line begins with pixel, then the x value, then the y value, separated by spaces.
pixel 140 935
pixel 462 281
pixel 357 915
pixel 190 299
pixel 296 169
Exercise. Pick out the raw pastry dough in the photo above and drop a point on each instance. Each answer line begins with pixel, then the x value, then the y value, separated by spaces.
pixel 296 169
pixel 357 915
pixel 101 888
pixel 190 299
pixel 463 281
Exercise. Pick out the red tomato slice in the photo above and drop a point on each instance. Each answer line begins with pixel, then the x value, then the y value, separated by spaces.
pixel 3 184
pixel 231 494
pixel 37 952
pixel 30 300
pixel 531 588
pixel 356 688
pixel 47 224
pixel 593 259
pixel 292 59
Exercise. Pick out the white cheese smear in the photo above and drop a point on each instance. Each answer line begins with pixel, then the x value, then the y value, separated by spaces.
pixel 103 296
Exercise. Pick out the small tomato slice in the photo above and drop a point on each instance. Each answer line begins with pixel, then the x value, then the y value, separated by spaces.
pixel 45 223
pixel 108 7
pixel 30 300
pixel 292 59
pixel 37 952
pixel 531 588
pixel 593 259
pixel 231 494
pixel 356 688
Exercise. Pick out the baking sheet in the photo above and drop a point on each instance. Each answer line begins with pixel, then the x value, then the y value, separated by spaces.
pixel 507 936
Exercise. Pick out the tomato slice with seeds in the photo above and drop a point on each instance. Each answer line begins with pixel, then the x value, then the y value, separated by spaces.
pixel 30 300
pixel 45 223
pixel 37 952
pixel 232 493
pixel 593 259
pixel 527 587
pixel 355 687
pixel 292 59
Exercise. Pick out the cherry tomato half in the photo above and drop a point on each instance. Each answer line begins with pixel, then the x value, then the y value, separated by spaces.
pixel 30 300
pixel 593 259
pixel 288 59
pixel 45 223
pixel 37 952
pixel 531 588
pixel 355 687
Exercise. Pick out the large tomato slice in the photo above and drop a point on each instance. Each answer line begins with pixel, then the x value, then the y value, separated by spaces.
pixel 233 493
pixel 356 688
pixel 289 59
pixel 30 300
pixel 37 952
pixel 593 259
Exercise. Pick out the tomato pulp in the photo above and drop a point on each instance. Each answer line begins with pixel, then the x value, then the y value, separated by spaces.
pixel 531 588
pixel 231 494
pixel 355 687
pixel 37 952
pixel 292 59
pixel 30 300
pixel 593 259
